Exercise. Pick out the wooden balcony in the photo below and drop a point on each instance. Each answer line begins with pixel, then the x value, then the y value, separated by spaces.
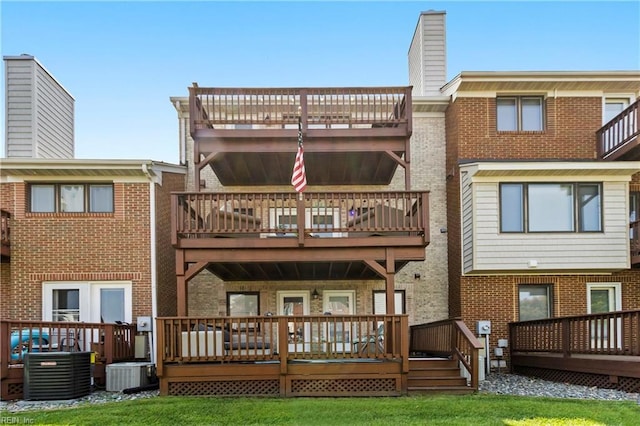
pixel 284 236
pixel 5 235
pixel 618 139
pixel 110 342
pixel 326 355
pixel 597 350
pixel 352 136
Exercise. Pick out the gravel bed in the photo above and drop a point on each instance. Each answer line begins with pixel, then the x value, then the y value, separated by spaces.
pixel 501 384
pixel 513 384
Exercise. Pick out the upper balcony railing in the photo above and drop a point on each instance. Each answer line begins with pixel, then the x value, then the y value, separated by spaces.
pixel 282 214
pixel 317 107
pixel 5 233
pixel 620 131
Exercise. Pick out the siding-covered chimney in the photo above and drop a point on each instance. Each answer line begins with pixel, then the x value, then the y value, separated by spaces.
pixel 39 112
pixel 427 54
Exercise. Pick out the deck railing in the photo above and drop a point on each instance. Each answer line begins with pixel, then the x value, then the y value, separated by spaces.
pixel 281 338
pixel 449 338
pixel 5 231
pixel 272 214
pixel 621 130
pixel 317 107
pixel 611 333
pixel 111 342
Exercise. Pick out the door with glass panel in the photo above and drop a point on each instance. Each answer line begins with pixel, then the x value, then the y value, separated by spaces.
pixel 338 331
pixel 296 303
pixel 603 298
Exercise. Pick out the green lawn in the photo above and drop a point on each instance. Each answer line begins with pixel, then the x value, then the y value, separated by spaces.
pixel 479 409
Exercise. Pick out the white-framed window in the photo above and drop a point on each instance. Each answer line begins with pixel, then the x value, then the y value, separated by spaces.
pixel 319 219
pixel 380 302
pixel 550 207
pixel 535 301
pixel 614 105
pixel 604 297
pixel 98 301
pixel 520 113
pixel 71 197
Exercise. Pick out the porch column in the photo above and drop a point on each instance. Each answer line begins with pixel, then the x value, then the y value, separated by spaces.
pixel 390 281
pixel 181 284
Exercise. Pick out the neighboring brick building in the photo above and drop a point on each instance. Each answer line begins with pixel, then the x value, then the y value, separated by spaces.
pixel 518 141
pixel 85 232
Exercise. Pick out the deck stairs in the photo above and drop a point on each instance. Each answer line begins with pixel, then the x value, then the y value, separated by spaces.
pixel 436 376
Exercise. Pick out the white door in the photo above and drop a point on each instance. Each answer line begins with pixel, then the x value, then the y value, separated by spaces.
pixel 296 303
pixel 338 302
pixel 602 298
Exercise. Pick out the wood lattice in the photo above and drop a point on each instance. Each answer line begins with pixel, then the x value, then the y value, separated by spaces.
pixel 343 386
pixel 626 384
pixel 12 390
pixel 224 388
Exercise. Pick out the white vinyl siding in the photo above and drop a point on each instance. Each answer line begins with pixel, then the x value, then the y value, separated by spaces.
pixel 40 112
pixel 467 221
pixel 496 251
pixel 427 56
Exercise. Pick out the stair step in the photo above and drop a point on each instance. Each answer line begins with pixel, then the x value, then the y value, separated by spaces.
pixel 437 381
pixel 449 390
pixel 433 372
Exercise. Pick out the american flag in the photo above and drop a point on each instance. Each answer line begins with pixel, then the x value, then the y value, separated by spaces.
pixel 299 177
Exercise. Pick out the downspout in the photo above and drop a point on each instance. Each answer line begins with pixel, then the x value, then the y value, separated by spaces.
pixel 153 251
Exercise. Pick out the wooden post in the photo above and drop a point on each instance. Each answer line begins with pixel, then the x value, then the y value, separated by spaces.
pixel 5 357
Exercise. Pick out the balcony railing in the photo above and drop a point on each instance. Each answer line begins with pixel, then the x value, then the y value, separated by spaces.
pixel 620 131
pixel 279 214
pixel 5 233
pixel 281 338
pixel 317 107
pixel 611 333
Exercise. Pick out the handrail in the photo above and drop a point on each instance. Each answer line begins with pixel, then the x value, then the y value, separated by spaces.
pixel 451 338
pixel 610 333
pixel 278 107
pixel 623 128
pixel 263 214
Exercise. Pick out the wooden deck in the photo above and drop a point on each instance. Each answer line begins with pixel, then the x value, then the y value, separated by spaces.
pixel 301 356
pixel 110 342
pixel 595 350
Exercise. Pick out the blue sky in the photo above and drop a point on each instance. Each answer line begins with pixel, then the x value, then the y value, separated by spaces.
pixel 123 60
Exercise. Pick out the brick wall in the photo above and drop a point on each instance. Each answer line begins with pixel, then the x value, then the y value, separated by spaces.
pixel 166 290
pixel 78 247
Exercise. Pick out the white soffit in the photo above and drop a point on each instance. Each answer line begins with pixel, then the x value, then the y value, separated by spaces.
pixel 549 169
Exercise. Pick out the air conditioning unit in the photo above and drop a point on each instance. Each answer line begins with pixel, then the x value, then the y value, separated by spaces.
pixel 126 375
pixel 56 375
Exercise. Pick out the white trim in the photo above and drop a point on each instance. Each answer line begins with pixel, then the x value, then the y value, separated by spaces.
pixel 89 297
pixel 617 288
pixel 154 265
pixel 351 294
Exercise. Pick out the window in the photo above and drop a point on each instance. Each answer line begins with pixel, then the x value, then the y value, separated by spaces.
pixel 380 302
pixel 71 198
pixel 321 220
pixel 613 107
pixel 634 210
pixel 99 301
pixel 550 207
pixel 245 304
pixel 519 113
pixel 535 301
